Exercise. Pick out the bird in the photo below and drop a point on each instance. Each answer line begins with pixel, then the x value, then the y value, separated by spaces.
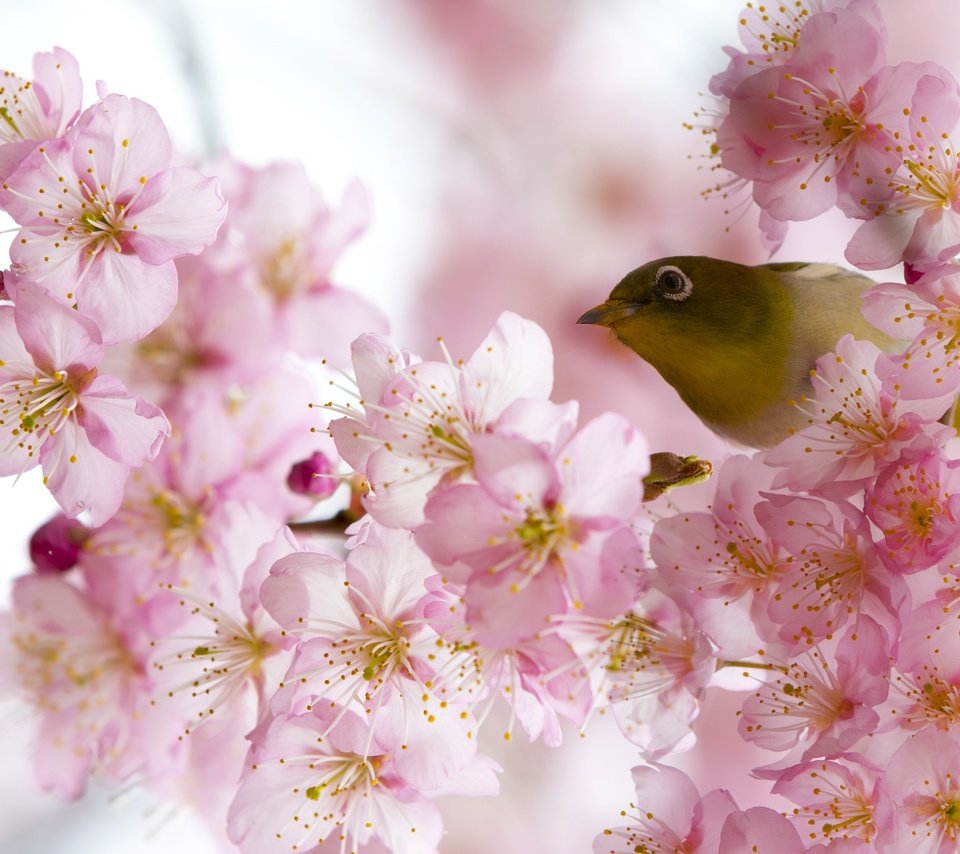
pixel 737 342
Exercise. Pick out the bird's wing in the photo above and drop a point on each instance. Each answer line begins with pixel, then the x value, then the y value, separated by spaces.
pixel 814 271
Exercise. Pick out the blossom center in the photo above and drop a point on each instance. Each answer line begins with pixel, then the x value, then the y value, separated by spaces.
pixel 542 530
pixel 101 219
pixel 644 659
pixel 34 408
pixel 180 520
pixel 21 116
pixel 285 271
pixel 52 667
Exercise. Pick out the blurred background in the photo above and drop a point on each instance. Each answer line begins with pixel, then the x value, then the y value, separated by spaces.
pixel 520 155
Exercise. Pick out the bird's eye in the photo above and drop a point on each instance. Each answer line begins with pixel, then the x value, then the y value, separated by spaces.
pixel 673 283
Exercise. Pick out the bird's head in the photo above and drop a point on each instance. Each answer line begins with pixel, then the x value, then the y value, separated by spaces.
pixel 679 302
pixel 715 330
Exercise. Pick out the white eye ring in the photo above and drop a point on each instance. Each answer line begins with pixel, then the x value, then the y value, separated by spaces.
pixel 673 283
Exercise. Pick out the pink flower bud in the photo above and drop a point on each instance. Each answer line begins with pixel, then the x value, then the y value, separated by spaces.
pixel 55 545
pixel 312 477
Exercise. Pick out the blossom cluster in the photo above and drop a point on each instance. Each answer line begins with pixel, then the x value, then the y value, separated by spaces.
pixel 812 117
pixel 825 568
pixel 184 627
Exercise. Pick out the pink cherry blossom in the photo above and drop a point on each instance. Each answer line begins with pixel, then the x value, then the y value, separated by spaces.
pixel 536 678
pixel 651 666
pixel 215 336
pixel 770 34
pixel 924 786
pixel 725 554
pixel 916 211
pixel 282 240
pixel 414 422
pixel 85 672
pixel 83 428
pixel 330 774
pixel 668 815
pixel 533 537
pixel 104 214
pixel 182 510
pixel 925 689
pixel 929 312
pixel 857 422
pixel 916 505
pixel 843 798
pixel 801 129
pixel 39 109
pixel 836 573
pixel 245 438
pixel 363 642
pixel 216 663
pixel 821 699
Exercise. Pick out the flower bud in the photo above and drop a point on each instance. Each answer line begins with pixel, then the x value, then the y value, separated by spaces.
pixel 55 545
pixel 312 477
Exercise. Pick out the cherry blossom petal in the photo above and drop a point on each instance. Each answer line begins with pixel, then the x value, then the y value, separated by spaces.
pixel 602 468
pixel 81 477
pixel 514 360
pixel 129 142
pixel 178 212
pixel 130 298
pixel 125 428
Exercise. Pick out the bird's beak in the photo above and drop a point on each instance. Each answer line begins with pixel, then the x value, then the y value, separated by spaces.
pixel 609 312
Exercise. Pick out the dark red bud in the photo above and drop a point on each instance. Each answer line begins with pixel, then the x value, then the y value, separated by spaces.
pixel 310 477
pixel 55 545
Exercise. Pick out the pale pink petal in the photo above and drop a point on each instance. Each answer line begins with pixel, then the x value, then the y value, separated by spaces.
pixel 543 421
pixel 783 199
pixel 12 154
pixel 57 337
pixel 324 322
pixel 126 297
pixel 514 472
pixel 759 830
pixel 399 498
pixel 602 469
pixel 178 212
pixel 502 617
pixel 709 817
pixel 56 77
pixel 890 307
pixel 348 220
pixel 54 605
pixel 478 778
pixel 125 428
pixel 389 570
pixel 11 346
pixel 431 751
pixel 514 360
pixel 459 521
pixel 307 584
pixel 353 443
pixel 376 361
pixel 668 793
pixel 129 142
pixel 81 477
pixel 269 205
pixel 880 242
pixel 935 239
pixel 609 572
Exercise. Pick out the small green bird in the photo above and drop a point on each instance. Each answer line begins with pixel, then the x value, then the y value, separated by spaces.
pixel 736 342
